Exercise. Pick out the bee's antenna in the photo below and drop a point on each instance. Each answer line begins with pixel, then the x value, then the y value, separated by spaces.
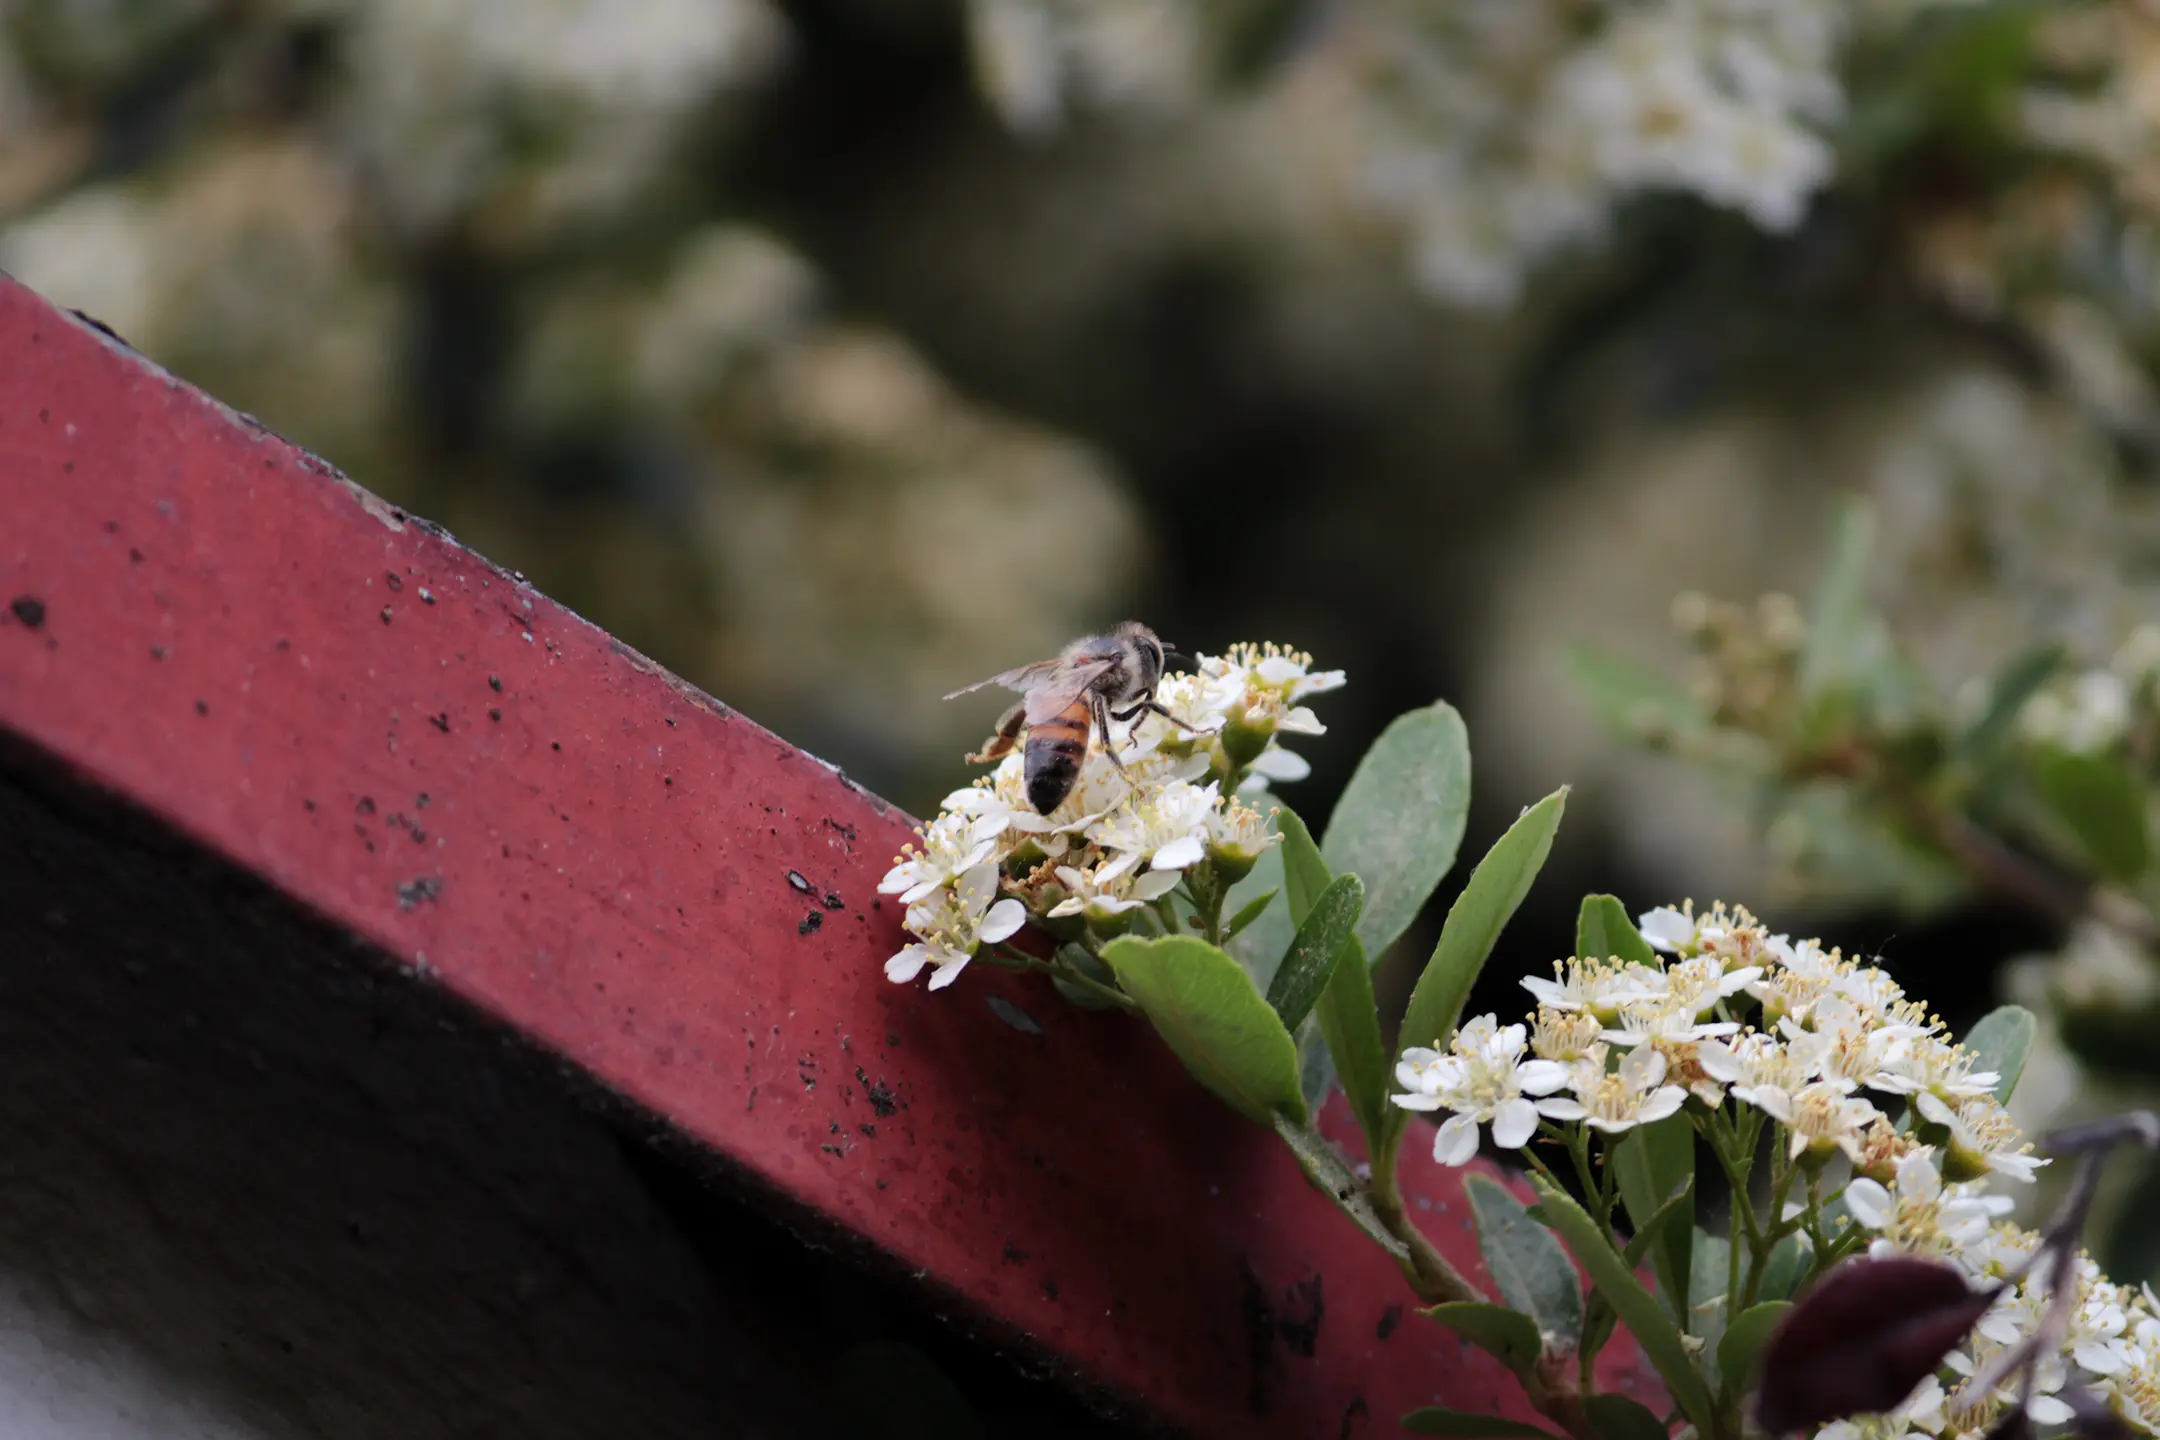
pixel 1178 660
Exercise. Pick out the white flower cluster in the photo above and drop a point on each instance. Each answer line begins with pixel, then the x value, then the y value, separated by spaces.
pixel 1507 130
pixel 1130 829
pixel 1833 1053
pixel 2095 709
pixel 2112 1347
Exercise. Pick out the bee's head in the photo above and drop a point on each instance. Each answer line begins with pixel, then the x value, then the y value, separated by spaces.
pixel 1154 654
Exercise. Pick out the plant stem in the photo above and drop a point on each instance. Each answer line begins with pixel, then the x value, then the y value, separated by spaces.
pixel 1086 982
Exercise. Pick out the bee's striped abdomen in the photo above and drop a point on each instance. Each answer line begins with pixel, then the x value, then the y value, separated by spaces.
pixel 1055 751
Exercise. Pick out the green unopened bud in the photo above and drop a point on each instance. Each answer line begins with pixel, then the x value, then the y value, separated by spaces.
pixel 1232 862
pixel 1109 918
pixel 1961 1165
pixel 1245 736
pixel 1817 1154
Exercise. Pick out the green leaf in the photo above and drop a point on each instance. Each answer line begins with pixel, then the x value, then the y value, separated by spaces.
pixel 1787 1266
pixel 1638 1309
pixel 2013 685
pixel 2103 803
pixel 1598 1317
pixel 1320 942
pixel 1316 1064
pixel 1324 1166
pixel 1462 1425
pixel 1474 922
pixel 1999 1041
pixel 1400 819
pixel 1602 930
pixel 1262 939
pixel 1207 1011
pixel 1656 1164
pixel 1615 1417
pixel 1251 911
pixel 1350 1024
pixel 1708 1303
pixel 1845 638
pixel 1349 1020
pixel 1632 698
pixel 1527 1265
pixel 1509 1335
pixel 1305 873
pixel 1744 1340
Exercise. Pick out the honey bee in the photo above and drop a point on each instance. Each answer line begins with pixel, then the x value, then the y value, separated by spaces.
pixel 1094 680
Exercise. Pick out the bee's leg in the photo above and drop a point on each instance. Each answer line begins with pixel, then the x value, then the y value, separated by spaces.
pixel 1100 709
pixel 1008 734
pixel 1151 708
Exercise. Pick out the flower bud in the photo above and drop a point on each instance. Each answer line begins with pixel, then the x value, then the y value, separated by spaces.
pixel 1245 734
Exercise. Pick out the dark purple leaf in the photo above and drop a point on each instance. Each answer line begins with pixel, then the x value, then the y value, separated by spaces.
pixel 1860 1341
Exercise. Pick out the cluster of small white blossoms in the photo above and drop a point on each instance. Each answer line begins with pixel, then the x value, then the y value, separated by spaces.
pixel 1833 1053
pixel 1505 131
pixel 1130 829
pixel 2093 710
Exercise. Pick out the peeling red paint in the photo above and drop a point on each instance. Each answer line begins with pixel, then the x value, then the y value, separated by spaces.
pixel 337 696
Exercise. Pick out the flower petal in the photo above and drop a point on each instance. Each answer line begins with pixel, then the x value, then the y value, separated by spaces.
pixel 1514 1122
pixel 1155 884
pixel 946 974
pixel 1541 1077
pixel 1869 1202
pixel 1179 853
pixel 1277 763
pixel 906 965
pixel 1665 928
pixel 1456 1141
pixel 1005 917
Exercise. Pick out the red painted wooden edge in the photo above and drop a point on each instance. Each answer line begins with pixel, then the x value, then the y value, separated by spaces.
pixel 415 745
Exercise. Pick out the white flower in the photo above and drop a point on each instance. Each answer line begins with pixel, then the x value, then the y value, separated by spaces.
pixel 1944 1071
pixel 1103 899
pixel 1288 673
pixel 1483 1079
pixel 1757 1070
pixel 1237 837
pixel 951 847
pixel 1620 1099
pixel 1666 1022
pixel 1703 981
pixel 1981 1138
pixel 1846 1048
pixel 1599 987
pixel 1567 1036
pixel 994 809
pixel 1166 827
pixel 1917 1217
pixel 1667 929
pixel 1918 1415
pixel 1822 1118
pixel 951 923
pixel 1806 958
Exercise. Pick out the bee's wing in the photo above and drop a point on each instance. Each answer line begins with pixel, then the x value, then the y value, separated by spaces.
pixel 1024 679
pixel 1050 696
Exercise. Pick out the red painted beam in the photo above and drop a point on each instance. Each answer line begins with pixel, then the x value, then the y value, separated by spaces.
pixel 410 742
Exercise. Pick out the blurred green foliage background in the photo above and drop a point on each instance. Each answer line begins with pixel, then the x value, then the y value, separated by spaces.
pixel 837 353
